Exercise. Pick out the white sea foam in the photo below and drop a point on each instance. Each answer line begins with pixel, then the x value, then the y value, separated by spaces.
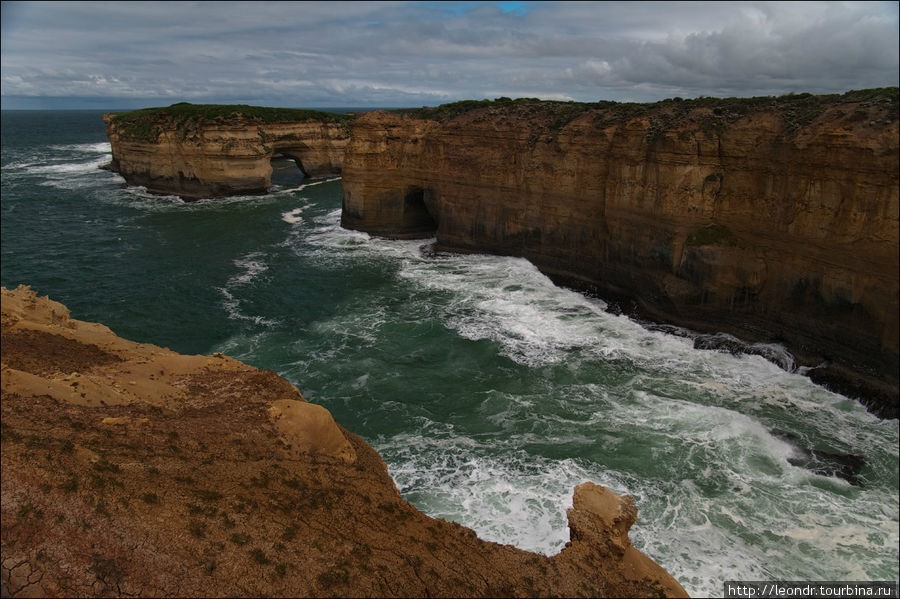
pixel 68 168
pixel 509 302
pixel 723 500
pixel 232 307
pixel 252 264
pixel 506 300
pixel 102 147
pixel 224 202
pixel 136 196
pixel 21 164
pixel 243 347
pixel 508 499
pixel 293 216
pixel 349 329
pixel 328 242
pixel 305 185
pixel 139 197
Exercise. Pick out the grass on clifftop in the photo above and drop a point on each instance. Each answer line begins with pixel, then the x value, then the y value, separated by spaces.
pixel 797 109
pixel 147 123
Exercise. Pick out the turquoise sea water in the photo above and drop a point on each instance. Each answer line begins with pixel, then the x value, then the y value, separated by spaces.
pixel 489 391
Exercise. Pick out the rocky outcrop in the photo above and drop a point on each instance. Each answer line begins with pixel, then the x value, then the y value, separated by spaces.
pixel 209 157
pixel 773 219
pixel 130 470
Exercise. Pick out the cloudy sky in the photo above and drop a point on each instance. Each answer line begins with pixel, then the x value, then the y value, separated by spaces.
pixel 354 54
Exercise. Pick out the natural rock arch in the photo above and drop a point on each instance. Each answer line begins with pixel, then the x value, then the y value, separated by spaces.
pixel 223 158
pixel 293 154
pixel 286 169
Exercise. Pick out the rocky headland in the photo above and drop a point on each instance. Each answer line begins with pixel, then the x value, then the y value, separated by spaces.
pixel 204 151
pixel 771 219
pixel 130 470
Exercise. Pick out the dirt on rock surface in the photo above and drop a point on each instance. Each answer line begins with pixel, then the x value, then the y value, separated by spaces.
pixel 130 470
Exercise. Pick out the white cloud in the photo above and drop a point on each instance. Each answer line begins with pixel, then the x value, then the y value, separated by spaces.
pixel 392 53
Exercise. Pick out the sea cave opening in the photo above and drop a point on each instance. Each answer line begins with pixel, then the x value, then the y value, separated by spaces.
pixel 417 217
pixel 287 170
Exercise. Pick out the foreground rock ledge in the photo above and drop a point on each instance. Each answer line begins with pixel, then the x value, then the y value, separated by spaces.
pixel 128 469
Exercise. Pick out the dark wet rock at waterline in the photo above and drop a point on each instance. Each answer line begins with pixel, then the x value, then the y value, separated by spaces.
pixel 846 466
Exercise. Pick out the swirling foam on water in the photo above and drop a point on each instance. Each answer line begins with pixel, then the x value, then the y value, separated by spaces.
pixel 252 264
pixel 251 267
pixel 139 197
pixel 517 500
pixel 102 147
pixel 722 492
pixel 293 217
pixel 690 433
pixel 509 302
pixel 305 185
pixel 72 166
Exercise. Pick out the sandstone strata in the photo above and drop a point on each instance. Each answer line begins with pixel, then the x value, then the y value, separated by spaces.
pixel 130 470
pixel 771 219
pixel 210 158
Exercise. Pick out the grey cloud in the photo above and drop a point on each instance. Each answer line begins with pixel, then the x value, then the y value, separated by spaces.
pixel 395 53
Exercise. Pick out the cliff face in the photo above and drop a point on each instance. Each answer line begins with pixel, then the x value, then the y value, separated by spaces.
pixel 773 222
pixel 129 470
pixel 214 159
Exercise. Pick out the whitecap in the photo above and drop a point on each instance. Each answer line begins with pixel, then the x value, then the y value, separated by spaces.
pixel 102 147
pixel 68 168
pixel 146 200
pixel 293 217
pixel 22 164
pixel 253 265
pixel 232 305
pixel 506 499
pixel 305 185
pixel 722 483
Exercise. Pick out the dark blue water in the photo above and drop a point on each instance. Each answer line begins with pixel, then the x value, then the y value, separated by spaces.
pixel 490 392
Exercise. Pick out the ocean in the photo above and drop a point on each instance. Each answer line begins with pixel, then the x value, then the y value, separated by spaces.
pixel 489 391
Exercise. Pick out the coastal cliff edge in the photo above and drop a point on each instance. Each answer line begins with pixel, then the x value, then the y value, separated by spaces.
pixel 769 219
pixel 128 469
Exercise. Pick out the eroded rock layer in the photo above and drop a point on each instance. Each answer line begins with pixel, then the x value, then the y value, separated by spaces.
pixel 130 470
pixel 209 158
pixel 771 219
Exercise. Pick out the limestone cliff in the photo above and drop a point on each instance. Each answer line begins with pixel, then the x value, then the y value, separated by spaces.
pixel 130 470
pixel 205 151
pixel 774 219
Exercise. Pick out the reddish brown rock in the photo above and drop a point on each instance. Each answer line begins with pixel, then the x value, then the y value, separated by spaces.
pixel 771 219
pixel 599 522
pixel 130 470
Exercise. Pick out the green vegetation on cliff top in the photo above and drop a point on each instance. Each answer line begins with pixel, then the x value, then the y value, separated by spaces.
pixel 799 109
pixel 147 123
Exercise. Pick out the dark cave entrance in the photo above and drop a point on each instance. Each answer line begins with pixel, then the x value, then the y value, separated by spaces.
pixel 417 218
pixel 287 171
